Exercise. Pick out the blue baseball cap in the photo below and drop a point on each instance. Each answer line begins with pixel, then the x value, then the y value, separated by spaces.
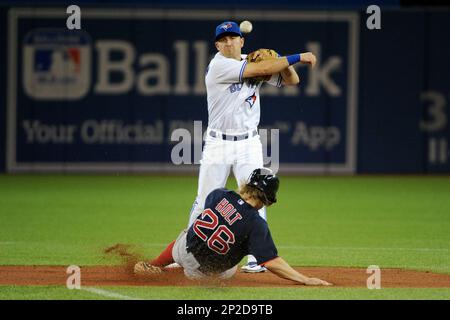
pixel 226 28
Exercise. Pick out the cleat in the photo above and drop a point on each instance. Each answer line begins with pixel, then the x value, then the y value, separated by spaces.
pixel 173 265
pixel 253 267
pixel 144 268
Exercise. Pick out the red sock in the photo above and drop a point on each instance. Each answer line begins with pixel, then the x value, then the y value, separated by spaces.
pixel 165 258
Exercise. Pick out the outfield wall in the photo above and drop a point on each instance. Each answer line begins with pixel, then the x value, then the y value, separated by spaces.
pixel 108 97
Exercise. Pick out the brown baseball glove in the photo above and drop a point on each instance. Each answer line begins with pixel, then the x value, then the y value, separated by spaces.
pixel 260 55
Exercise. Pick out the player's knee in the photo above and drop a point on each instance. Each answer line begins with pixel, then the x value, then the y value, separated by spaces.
pixel 193 275
pixel 228 273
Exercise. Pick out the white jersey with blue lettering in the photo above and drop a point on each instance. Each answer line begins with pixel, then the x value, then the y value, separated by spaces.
pixel 233 104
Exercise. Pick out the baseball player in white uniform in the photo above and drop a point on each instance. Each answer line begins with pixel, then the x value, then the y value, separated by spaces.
pixel 232 139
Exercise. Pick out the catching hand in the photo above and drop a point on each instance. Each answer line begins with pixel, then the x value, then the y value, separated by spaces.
pixel 261 55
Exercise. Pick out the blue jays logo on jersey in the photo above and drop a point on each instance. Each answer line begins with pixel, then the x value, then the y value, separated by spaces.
pixel 251 100
pixel 56 64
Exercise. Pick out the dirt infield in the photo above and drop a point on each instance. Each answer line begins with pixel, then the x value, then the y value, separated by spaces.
pixel 122 275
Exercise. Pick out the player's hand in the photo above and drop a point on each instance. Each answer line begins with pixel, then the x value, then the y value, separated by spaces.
pixel 316 282
pixel 308 58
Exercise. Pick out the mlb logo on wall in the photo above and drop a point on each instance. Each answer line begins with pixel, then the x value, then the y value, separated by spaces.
pixel 56 64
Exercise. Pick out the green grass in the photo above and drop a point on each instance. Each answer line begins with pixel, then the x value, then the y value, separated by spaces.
pixel 318 221
pixel 176 293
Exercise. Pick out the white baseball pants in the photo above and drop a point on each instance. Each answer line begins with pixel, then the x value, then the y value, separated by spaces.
pixel 190 264
pixel 218 157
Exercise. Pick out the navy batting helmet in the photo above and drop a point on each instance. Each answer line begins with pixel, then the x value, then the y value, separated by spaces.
pixel 263 179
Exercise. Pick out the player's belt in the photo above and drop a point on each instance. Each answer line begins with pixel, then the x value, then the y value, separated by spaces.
pixel 231 137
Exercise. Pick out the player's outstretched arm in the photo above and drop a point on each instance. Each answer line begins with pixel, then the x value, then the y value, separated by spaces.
pixel 272 66
pixel 282 269
pixel 290 76
pixel 265 67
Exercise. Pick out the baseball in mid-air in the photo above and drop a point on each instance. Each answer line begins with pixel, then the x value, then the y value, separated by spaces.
pixel 246 26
